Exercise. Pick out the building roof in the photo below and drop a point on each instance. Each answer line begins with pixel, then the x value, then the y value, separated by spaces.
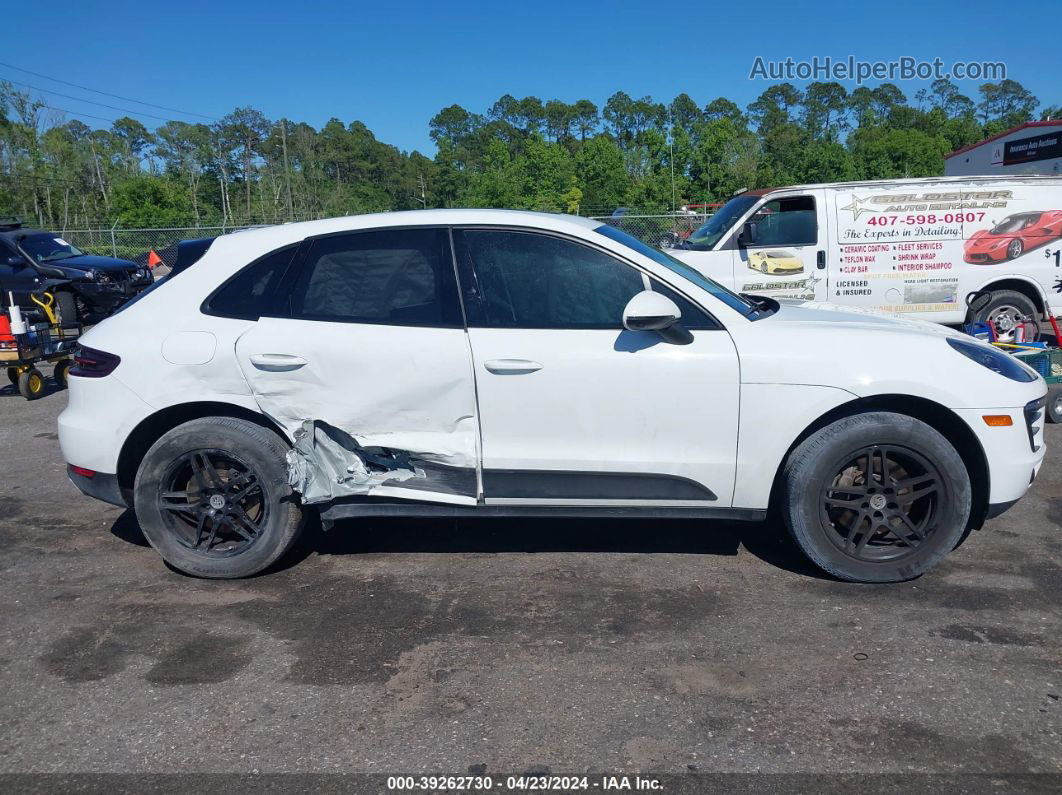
pixel 968 147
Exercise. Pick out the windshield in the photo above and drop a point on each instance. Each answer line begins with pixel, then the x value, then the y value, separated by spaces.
pixel 48 248
pixel 719 224
pixel 733 300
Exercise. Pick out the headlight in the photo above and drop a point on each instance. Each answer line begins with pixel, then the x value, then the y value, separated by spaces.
pixel 92 275
pixel 993 359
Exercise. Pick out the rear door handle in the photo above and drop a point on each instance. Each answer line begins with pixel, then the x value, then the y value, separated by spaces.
pixel 511 366
pixel 277 362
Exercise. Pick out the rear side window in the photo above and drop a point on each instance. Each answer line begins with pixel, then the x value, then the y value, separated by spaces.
pixel 250 293
pixel 529 280
pixel 391 277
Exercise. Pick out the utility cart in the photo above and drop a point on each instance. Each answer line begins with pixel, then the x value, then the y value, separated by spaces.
pixel 48 341
pixel 1048 363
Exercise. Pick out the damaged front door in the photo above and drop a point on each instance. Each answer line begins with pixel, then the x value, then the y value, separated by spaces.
pixel 369 369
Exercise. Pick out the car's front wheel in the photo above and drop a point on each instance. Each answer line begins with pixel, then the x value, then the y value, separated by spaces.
pixel 212 497
pixel 876 497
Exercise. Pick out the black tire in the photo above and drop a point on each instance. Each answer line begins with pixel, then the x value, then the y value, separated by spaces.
pixel 814 474
pixel 12 375
pixel 31 384
pixel 62 368
pixel 248 448
pixel 1054 404
pixel 1002 300
pixel 66 308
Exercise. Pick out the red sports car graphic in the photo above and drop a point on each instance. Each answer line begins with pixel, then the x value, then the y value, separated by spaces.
pixel 1013 236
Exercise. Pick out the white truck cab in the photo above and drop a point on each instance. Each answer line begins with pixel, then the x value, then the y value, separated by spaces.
pixel 916 246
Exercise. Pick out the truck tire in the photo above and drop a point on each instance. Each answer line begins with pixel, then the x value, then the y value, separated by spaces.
pixel 1054 404
pixel 212 497
pixel 66 308
pixel 876 497
pixel 1002 311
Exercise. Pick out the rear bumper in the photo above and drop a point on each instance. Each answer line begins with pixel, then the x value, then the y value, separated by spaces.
pixel 101 486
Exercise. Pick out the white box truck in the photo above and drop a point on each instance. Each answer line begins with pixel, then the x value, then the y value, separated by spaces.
pixel 916 246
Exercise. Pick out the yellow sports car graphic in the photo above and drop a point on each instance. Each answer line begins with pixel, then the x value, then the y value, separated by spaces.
pixel 776 261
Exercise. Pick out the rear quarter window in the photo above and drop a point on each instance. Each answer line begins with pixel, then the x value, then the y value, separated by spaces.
pixel 251 293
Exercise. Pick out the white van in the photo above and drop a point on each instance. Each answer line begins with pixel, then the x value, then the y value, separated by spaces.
pixel 916 246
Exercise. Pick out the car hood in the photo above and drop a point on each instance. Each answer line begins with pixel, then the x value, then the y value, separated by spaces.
pixel 93 262
pixel 804 313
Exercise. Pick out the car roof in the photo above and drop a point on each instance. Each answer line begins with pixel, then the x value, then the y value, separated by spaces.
pixel 282 234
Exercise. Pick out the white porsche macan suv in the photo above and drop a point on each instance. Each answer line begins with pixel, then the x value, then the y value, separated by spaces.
pixel 499 363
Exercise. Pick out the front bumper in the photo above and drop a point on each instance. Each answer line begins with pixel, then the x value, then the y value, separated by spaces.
pixel 106 296
pixel 1014 453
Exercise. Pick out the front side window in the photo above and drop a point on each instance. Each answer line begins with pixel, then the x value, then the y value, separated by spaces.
pixel 527 280
pixel 787 222
pixel 392 277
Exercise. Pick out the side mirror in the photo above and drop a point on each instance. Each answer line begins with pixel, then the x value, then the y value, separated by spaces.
pixel 748 236
pixel 649 311
pixel 14 261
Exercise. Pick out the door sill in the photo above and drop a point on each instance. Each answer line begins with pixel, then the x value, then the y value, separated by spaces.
pixel 407 508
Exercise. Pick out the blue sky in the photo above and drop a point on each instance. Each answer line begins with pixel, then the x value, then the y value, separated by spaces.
pixel 394 65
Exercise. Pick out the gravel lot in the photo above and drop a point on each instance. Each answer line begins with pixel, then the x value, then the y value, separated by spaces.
pixel 442 646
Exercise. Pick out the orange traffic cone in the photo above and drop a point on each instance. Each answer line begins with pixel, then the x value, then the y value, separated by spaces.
pixel 154 259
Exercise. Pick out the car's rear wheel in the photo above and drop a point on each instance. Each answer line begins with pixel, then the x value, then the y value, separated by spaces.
pixel 876 497
pixel 212 497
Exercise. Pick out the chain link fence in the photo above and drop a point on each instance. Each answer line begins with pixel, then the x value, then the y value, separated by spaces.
pixel 136 244
pixel 661 230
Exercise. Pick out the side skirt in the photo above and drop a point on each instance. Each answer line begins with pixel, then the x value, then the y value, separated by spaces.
pixel 360 509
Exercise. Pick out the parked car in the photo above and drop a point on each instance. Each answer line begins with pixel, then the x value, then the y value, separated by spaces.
pixel 87 287
pixel 494 363
pixel 1013 236
pixel 914 246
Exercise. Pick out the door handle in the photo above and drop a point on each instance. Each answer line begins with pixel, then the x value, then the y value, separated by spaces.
pixel 277 362
pixel 511 366
pixel 820 260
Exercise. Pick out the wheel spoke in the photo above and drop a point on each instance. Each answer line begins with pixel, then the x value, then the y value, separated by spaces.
pixel 213 533
pixel 249 484
pixel 871 531
pixel 247 521
pixel 199 525
pixel 916 481
pixel 853 529
pixel 837 502
pixel 177 501
pixel 210 472
pixel 921 536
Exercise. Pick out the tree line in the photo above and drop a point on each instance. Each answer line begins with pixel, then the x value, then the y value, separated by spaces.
pixel 518 153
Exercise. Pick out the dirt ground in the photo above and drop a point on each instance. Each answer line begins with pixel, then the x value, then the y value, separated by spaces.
pixel 405 646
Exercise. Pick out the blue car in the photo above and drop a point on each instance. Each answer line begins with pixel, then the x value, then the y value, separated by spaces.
pixel 87 287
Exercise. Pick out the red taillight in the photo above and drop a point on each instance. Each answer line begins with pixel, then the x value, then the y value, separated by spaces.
pixel 85 473
pixel 91 363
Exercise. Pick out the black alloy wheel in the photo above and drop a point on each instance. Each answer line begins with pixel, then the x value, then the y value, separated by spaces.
pixel 212 503
pixel 882 504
